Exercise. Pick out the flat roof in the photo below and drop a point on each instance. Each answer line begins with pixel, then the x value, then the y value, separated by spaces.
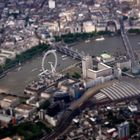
pixel 10 97
pixel 105 56
pixel 5 118
pixel 24 107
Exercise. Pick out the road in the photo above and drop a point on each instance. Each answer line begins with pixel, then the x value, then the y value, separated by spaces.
pixel 72 110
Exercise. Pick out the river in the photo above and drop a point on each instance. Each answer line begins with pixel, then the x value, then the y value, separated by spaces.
pixel 17 79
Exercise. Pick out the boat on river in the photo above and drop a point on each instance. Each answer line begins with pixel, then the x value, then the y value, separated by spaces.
pixel 87 41
pixel 35 69
pixel 100 39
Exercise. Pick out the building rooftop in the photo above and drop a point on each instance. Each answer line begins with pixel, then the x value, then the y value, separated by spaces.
pixel 120 90
pixel 10 97
pixel 5 118
pixel 105 56
pixel 24 107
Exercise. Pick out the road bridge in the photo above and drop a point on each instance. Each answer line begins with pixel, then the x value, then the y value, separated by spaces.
pixel 129 49
pixel 68 51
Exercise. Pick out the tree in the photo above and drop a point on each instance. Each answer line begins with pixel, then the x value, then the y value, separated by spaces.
pixel 45 105
pixel 76 75
pixel 1 69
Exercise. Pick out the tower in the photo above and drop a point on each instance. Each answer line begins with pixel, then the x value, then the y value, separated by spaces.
pixel 86 64
pixel 41 114
pixel 123 131
pixel 51 4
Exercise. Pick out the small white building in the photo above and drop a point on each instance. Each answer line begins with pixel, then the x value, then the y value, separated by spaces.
pixel 51 120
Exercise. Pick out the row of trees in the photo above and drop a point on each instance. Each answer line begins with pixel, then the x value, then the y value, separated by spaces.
pixel 73 37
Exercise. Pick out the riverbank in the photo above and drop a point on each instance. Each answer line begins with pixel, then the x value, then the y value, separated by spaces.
pixel 75 37
pixel 69 39
pixel 11 64
pixel 15 81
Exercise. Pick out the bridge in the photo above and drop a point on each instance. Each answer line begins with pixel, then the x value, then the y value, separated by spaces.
pixel 128 47
pixel 68 51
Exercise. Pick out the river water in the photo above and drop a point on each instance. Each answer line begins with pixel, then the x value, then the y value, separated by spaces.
pixel 17 79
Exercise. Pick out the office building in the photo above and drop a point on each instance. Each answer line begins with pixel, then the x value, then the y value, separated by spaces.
pixel 51 4
pixel 123 131
pixel 86 64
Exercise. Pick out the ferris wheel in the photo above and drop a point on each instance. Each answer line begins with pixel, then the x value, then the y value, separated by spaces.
pixel 53 66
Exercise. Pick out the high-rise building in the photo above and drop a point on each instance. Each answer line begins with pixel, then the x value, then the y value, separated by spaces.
pixel 51 4
pixel 86 64
pixel 123 131
pixel 41 114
